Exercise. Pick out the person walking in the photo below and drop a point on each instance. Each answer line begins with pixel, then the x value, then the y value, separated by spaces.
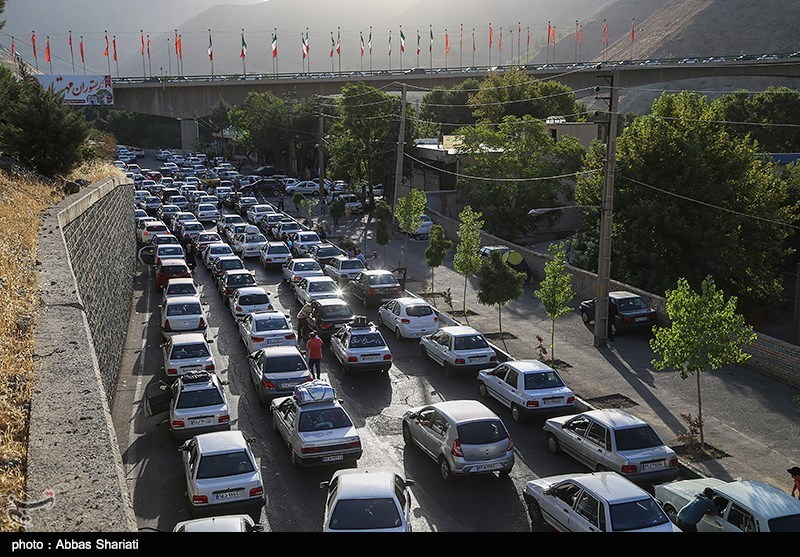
pixel 314 351
pixel 280 200
pixel 302 319
pixel 694 511
pixel 323 207
pixel 191 256
pixel 375 262
pixel 360 256
pixel 795 472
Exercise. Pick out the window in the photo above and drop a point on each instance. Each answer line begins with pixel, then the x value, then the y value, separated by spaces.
pixel 263 325
pixel 226 464
pixel 183 309
pixel 633 438
pixel 365 514
pixel 199 398
pixel 284 364
pixel 383 280
pixel 742 519
pixel 400 490
pixel 589 508
pixel 320 420
pixel 322 286
pixel 419 310
pixel 439 424
pixel 578 425
pixel 189 351
pixel 352 264
pixel 253 299
pixel 566 492
pixel 471 342
pixel 597 435
pixel 544 380
pixel 371 340
pixel 636 515
pixel 511 377
pixel 482 433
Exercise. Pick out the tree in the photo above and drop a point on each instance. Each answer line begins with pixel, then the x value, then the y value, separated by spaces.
pixel 673 168
pixel 2 9
pixel 336 211
pixel 299 200
pixel 409 212
pixel 555 291
pixel 705 332
pixel 776 105
pixel 438 246
pixel 308 204
pixel 499 284
pixel 446 110
pixel 383 225
pixel 262 123
pixel 467 261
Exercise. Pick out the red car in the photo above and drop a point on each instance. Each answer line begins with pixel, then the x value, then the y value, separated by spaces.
pixel 169 269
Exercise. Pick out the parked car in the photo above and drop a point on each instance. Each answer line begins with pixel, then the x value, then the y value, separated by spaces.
pixel 632 311
pixel 186 353
pixel 213 251
pixel 463 436
pixel 367 500
pixel 613 439
pixel 296 269
pixel 744 505
pixel 316 427
pixel 323 253
pixel 301 242
pixel 360 346
pixel 328 316
pixel 182 314
pixel 374 287
pixel 458 348
pixel 316 288
pixel 249 300
pixel 258 211
pixel 196 404
pixel 231 281
pixel 409 317
pixel 425 228
pixel 277 370
pixel 207 212
pixel 223 264
pixel 248 243
pixel 274 254
pixel 511 257
pixel 167 269
pixel 262 329
pixel 180 287
pixel 594 502
pixel 528 388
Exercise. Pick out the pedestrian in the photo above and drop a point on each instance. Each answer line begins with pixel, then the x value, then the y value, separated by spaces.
pixel 795 472
pixel 351 252
pixel 280 200
pixel 323 207
pixel 375 262
pixel 191 258
pixel 360 256
pixel 321 232
pixel 302 319
pixel 693 512
pixel 314 351
pixel 612 313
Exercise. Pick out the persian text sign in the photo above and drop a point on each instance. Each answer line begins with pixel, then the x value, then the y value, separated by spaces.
pixel 80 90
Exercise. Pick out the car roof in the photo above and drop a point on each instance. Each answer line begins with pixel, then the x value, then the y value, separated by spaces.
pixel 220 441
pixel 617 294
pixel 465 410
pixel 276 351
pixel 330 302
pixel 188 338
pixel 410 300
pixel 250 289
pixel 608 485
pixel 304 260
pixel 346 258
pixel 524 366
pixel 228 523
pixel 181 280
pixel 761 497
pixel 614 417
pixel 183 299
pixel 266 315
pixel 366 484
pixel 460 330
pixel 375 272
pixel 320 279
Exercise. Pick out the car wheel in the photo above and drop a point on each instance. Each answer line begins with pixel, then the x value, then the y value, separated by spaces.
pixel 552 444
pixel 444 469
pixel 482 390
pixel 407 435
pixel 397 334
pixel 516 414
pixel 585 317
pixel 535 513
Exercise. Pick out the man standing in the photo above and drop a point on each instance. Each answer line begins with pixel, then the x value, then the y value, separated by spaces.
pixel 302 319
pixel 360 256
pixel 694 511
pixel 314 351
pixel 375 262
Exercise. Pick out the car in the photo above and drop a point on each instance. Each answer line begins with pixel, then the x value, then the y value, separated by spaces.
pixel 244 203
pixel 187 352
pixel 204 239
pixel 230 281
pixel 268 221
pixel 166 212
pixel 424 228
pixel 367 500
pixel 768 57
pixel 296 269
pixel 276 370
pixel 713 60
pixel 409 317
pixel 179 287
pixel 458 349
pixel 274 253
pixel 594 502
pixel 302 241
pixel 188 230
pixel 223 192
pixel 207 212
pixel 463 436
pixel 324 252
pixel 177 159
pixel 163 154
pixel 316 288
pixel 511 257
pixel 286 227
pixel 307 187
pixel 328 316
pixel 152 253
pixel 249 243
pixel 151 204
pixel 196 404
pixel 227 220
pixel 222 474
pixel 360 346
pixel 223 264
pixel 167 269
pixel 613 439
pixel 632 312
pixel 316 427
pixel 164 239
pixel 374 287
pixel 262 329
pixel 652 62
pixel 352 202
pixel 342 268
pixel 213 251
pixel 258 211
pixel 180 201
pixel 744 505
pixel 182 314
pixel 224 523
pixel 139 195
pixel 248 300
pixel 146 218
pixel 181 216
pixel 235 229
pixel 528 388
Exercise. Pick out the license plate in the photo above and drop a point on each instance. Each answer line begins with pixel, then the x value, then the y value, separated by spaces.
pixel 286 385
pixel 369 358
pixel 229 495
pixel 273 341
pixel 477 359
pixel 201 421
pixel 191 368
pixel 551 401
pixel 484 467
pixel 333 458
pixel 652 466
pixel 639 319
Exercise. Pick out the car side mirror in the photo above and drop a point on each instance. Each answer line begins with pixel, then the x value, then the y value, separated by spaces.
pixel 183 448
pixel 210 341
pixel 324 485
pixel 162 345
pixel 409 483
pixel 412 416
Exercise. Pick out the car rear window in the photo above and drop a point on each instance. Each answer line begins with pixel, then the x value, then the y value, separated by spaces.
pixel 285 364
pixel 205 238
pixel 545 380
pixel 322 286
pixel 636 515
pixel 335 312
pixel 278 250
pixel 325 418
pixel 183 309
pixel 179 289
pixel 372 340
pixel 383 280
pixel 307 266
pixel 352 264
pixel 482 433
pixel 327 251
pixel 365 514
pixel 231 265
pixel 157 228
pixel 241 280
pixel 221 465
pixel 263 325
pixel 628 304
pixel 189 351
pixel 174 269
pixel 634 438
pixel 254 238
pixel 471 342
pixel 217 250
pixel 206 207
pixel 253 299
pixel 199 398
pixel 419 310
pixel 168 249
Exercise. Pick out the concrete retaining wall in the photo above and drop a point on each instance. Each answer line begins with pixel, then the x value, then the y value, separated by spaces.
pixel 85 263
pixel 770 356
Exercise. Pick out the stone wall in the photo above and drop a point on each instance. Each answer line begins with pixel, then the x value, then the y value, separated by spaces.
pixel 85 297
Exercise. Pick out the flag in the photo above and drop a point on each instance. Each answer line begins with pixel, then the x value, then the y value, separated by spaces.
pixel 13 50
pixel 179 47
pixel 243 53
pixel 549 32
pixel 500 40
pixel 519 36
pixel 33 43
pixel 633 29
pixel 390 42
pixel 446 42
pixel 528 44
pixel 402 41
pixel 305 46
pixel 554 36
pixel 274 45
pixel 580 36
pixel 210 47
pixel 114 47
pixel 141 36
pixel 491 35
pixel 361 35
pixel 105 52
pixel 605 33
pixel 418 39
pixel 308 43
pixel 369 42
pixel 148 46
pixel 47 49
pixel 333 44
pixel 430 48
pixel 338 42
pixel 576 31
pixel 474 48
pixel 80 47
pixel 176 42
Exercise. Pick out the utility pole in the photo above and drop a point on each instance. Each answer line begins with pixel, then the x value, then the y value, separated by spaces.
pixel 606 209
pixel 401 140
pixel 320 151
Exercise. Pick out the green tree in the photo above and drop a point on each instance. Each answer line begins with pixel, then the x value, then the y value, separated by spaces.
pixel 667 160
pixel 299 200
pixel 438 247
pixel 499 284
pixel 262 123
pixel 2 9
pixel 446 110
pixel 308 204
pixel 467 261
pixel 409 212
pixel 704 333
pixel 776 105
pixel 336 211
pixel 555 291
pixel 513 158
pixel 383 225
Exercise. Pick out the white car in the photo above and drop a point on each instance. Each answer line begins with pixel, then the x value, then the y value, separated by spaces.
pixel 425 228
pixel 409 317
pixel 215 251
pixel 307 187
pixel 163 155
pixel 207 212
pixel 367 500
pixel 182 314
pixel 343 268
pixel 274 253
pixel 352 203
pixel 145 230
pixel 360 346
pixel 196 404
pixel 178 159
pixel 297 269
pixel 263 329
pixel 182 216
pixel 222 474
pixel 186 353
pixel 458 348
pixel 286 227
pixel 248 244
pixel 302 241
pixel 594 502
pixel 166 212
pixel 180 287
pixel 226 523
pixel 258 212
pixel 744 505
pixel 316 288
pixel 250 299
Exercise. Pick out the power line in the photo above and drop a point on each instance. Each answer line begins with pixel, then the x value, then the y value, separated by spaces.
pixel 506 86
pixel 477 124
pixel 487 179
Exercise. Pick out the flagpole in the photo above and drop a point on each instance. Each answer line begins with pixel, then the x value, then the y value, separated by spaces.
pixel 554 44
pixel 418 49
pixel 633 27
pixel 490 44
pixel 519 43
pixel 576 41
pixel 430 49
pixel 275 56
pixel 361 46
pixel 177 62
pixel 303 52
pixel 83 58
pixel 402 47
pixel 149 59
pixel 35 57
pixel 180 52
pixel 460 46
pixel 528 46
pixel 211 53
pixel 370 49
pixel 473 47
pixel 390 50
pixel 339 48
pixel 547 50
pixel 308 52
pixel 169 58
pixel 244 55
pixel 446 44
pixel 71 53
pixel 333 47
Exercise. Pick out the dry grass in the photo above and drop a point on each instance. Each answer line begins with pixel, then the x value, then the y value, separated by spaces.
pixel 21 202
pixel 96 170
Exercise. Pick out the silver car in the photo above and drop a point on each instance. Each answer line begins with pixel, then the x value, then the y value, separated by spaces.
pixel 612 439
pixel 463 436
pixel 186 353
pixel 196 404
pixel 458 349
pixel 277 370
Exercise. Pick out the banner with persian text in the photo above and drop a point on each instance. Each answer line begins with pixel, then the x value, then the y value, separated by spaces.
pixel 80 90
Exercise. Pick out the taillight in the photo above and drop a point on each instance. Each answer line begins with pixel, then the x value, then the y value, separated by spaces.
pixel 167 326
pixel 628 469
pixel 352 359
pixel 172 371
pixel 326 325
pixel 257 339
pixel 492 358
pixel 202 322
pixel 405 321
pixel 673 462
pixel 267 259
pixel 224 419
pixel 459 361
pixel 200 500
pixel 456 449
pixel 270 307
pixel 267 385
pixel 571 400
pixel 387 356
pixel 510 446
pixel 435 318
pixel 627 319
pixel 209 367
pixel 237 308
pixel 178 423
pixel 255 491
pixel 307 450
pixel 532 404
pixel 353 445
pixel 371 291
pixel 289 337
pixel 400 290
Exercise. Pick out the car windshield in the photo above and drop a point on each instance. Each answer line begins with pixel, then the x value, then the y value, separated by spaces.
pixel 226 464
pixel 189 351
pixel 372 340
pixel 327 251
pixel 325 418
pixel 637 515
pixel 352 264
pixel 634 438
pixel 629 304
pixel 206 207
pixel 471 342
pixel 285 364
pixel 184 309
pixel 334 312
pixel 170 250
pixel 308 238
pixel 263 325
pixel 322 286
pixel 419 311
pixel 365 514
pixel 241 280
pixel 482 433
pixel 253 299
pixel 206 238
pixel 254 239
pixel 544 380
pixel 383 280
pixel 181 289
pixel 199 398
pixel 306 266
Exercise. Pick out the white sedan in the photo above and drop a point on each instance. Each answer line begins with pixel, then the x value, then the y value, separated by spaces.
pixel 457 349
pixel 250 299
pixel 263 329
pixel 249 243
pixel 258 212
pixel 316 288
pixel 298 269
pixel 409 317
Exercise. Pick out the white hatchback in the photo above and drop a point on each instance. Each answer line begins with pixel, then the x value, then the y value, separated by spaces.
pixel 260 330
pixel 250 299
pixel 186 353
pixel 409 317
pixel 182 314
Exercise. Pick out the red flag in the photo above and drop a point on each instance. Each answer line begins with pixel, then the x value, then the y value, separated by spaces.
pixel 549 32
pixel 605 33
pixel 141 35
pixel 633 29
pixel 529 37
pixel 80 47
pixel 446 42
pixel 500 40
pixel 177 40
pixel 148 46
pixel 70 42
pixel 13 50
pixel 105 53
pixel 180 47
pixel 491 34
pixel 33 43
pixel 47 49
pixel 114 44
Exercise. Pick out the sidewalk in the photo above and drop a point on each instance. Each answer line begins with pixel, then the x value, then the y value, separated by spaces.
pixel 748 416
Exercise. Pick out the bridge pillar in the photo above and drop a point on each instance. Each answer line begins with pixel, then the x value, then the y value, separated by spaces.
pixel 190 135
